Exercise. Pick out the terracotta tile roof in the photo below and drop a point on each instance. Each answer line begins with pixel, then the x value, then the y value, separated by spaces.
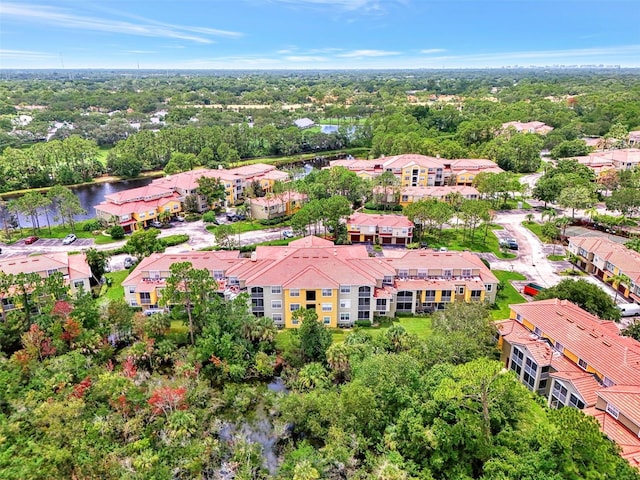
pixel 137 206
pixel 34 263
pixel 311 278
pixel 437 260
pixel 625 398
pixel 366 219
pixel 408 159
pixel 78 267
pixel 584 383
pixel 585 336
pixel 627 260
pixel 135 194
pixel 617 432
pixel 311 241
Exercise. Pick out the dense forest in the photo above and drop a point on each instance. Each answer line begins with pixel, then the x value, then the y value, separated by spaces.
pixel 213 120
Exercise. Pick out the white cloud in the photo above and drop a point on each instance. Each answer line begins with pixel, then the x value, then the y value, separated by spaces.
pixel 148 28
pixel 428 51
pixel 305 58
pixel 367 53
pixel 24 54
pixel 140 52
pixel 372 6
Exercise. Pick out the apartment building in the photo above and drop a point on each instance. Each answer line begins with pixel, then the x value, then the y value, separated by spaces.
pixel 574 359
pixel 138 206
pixel 410 195
pixel 414 170
pixel 276 205
pixel 341 282
pixel 619 159
pixel 74 269
pixel 605 258
pixel 379 229
pixel 236 181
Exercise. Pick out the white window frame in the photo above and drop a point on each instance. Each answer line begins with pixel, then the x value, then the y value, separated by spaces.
pixel 327 292
pixel 327 307
pixel 294 306
pixel 277 317
pixel 345 317
pixel 346 289
pixel 276 304
pixel 613 411
pixel 345 304
pixel 276 290
pixel 582 364
pixel 326 320
pixel 294 292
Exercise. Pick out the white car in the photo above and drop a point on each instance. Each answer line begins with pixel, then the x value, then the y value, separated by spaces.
pixel 287 234
pixel 69 239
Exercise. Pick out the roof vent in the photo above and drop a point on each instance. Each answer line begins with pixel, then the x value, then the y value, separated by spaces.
pixel 581 327
pixel 560 314
pixel 606 343
pixel 254 257
pixel 594 334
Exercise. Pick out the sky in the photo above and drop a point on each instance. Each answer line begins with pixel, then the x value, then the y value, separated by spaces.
pixel 317 34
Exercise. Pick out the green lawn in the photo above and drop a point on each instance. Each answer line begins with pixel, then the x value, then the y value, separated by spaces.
pixel 508 295
pixel 341 121
pixel 116 290
pixel 419 326
pixel 102 154
pixel 556 258
pixel 454 239
pixel 536 229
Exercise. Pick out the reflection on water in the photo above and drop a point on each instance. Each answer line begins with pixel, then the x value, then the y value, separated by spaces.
pixel 90 195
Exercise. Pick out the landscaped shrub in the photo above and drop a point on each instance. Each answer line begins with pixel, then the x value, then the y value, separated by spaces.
pixel 92 225
pixel 209 217
pixel 116 232
pixel 486 263
pixel 363 323
pixel 274 221
pixel 172 240
pixel 413 245
pixel 192 217
pixel 377 206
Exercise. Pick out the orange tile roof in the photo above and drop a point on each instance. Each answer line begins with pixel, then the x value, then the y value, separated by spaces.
pixel 133 194
pixel 618 433
pixel 439 192
pixel 365 219
pixel 625 398
pixel 627 260
pixel 584 383
pixel 279 198
pixel 586 336
pixel 34 264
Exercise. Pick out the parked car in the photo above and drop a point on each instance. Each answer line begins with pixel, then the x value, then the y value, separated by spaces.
pixel 179 218
pixel 532 289
pixel 69 239
pixel 443 249
pixel 155 224
pixel 424 245
pixel 241 216
pixel 629 309
pixel 287 234
pixel 129 262
pixel 30 240
pixel 232 217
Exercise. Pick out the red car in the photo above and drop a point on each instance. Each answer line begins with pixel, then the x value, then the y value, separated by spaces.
pixel 30 240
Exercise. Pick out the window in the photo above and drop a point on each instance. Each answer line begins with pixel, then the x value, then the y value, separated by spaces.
pixel 422 273
pixel 345 288
pixel 345 317
pixel 381 304
pixel 488 287
pixel 276 290
pixel 559 347
pixel 326 307
pixel 387 280
pixel 607 382
pixel 403 273
pixel 476 294
pixel 52 272
pixel 78 284
pixel 276 304
pixel 132 289
pixel 537 331
pixel 326 292
pixel 447 273
pixel 460 290
pixel 609 266
pixel 517 357
pixel 145 298
pixel 466 272
pixel 364 292
pixel 295 321
pixel 559 395
pixel 218 274
pixel 530 369
pixel 446 296
pixel 294 292
pixel 234 281
pixel 405 301
pixel 582 364
pixel 519 317
pixel 575 402
pixel 345 303
pixel 613 411
pixel 326 320
pixel 294 306
pixel 277 317
pixel 430 296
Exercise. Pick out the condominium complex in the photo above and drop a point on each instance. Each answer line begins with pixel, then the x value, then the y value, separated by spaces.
pixel 605 259
pixel 341 282
pixel 574 359
pixel 276 205
pixel 619 159
pixel 415 170
pixel 379 229
pixel 74 269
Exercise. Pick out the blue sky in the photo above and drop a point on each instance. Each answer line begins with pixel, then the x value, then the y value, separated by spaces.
pixel 317 34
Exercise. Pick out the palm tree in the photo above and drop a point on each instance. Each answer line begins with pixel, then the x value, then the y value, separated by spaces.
pixel 549 213
pixel 573 259
pixel 529 217
pixel 616 280
pixel 338 359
